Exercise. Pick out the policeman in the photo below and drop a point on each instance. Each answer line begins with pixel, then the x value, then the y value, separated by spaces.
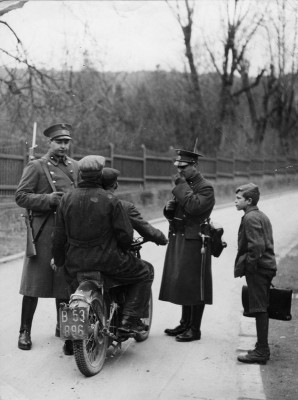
pixel 42 185
pixel 144 228
pixel 187 278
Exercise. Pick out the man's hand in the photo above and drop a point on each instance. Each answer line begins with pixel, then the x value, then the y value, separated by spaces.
pixel 55 198
pixel 170 206
pixel 179 179
pixel 53 265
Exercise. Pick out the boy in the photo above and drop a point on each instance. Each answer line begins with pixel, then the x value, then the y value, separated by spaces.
pixel 256 261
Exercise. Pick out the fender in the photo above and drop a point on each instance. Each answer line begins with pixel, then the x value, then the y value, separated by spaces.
pixel 87 289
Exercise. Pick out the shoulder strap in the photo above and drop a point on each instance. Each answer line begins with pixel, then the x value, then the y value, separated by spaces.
pixel 46 171
pixel 66 172
pixel 41 163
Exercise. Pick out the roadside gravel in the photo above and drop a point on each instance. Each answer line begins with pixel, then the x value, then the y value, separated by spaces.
pixel 280 374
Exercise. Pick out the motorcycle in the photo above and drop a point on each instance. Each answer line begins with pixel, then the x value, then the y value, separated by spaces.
pixel 93 316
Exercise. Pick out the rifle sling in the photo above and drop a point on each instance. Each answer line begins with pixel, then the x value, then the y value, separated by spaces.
pixel 35 239
pixel 46 171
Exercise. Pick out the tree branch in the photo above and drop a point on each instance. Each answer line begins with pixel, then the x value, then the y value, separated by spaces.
pixel 254 84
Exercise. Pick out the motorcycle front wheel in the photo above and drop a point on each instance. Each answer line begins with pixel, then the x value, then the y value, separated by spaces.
pixel 140 337
pixel 90 354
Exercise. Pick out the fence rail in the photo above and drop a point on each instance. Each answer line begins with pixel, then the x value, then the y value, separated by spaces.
pixel 147 168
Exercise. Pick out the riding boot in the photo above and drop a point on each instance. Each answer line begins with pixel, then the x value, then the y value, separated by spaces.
pixel 28 309
pixel 261 353
pixel 184 322
pixel 58 301
pixel 138 295
pixel 194 330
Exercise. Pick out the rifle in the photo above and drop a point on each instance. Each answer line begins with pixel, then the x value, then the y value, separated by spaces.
pixel 30 248
pixel 195 146
pixel 34 145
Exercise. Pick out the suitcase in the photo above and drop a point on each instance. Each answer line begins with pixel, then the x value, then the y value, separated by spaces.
pixel 280 302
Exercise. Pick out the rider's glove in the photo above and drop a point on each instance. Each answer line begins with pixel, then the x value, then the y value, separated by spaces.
pixel 161 239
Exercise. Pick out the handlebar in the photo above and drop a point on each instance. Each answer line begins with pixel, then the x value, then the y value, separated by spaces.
pixel 137 243
pixel 136 246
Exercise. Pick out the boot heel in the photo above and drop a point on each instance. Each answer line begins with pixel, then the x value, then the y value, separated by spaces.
pixel 263 362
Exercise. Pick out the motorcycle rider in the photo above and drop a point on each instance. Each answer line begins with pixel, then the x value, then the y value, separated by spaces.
pixel 93 233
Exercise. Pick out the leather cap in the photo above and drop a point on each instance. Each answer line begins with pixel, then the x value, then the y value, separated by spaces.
pixel 92 164
pixel 109 176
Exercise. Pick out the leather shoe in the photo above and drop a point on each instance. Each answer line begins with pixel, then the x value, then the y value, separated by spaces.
pixel 189 335
pixel 132 324
pixel 68 348
pixel 254 357
pixel 24 342
pixel 176 331
pixel 260 349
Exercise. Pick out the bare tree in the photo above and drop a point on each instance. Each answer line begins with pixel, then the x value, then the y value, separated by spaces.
pixel 184 13
pixel 277 108
pixel 24 86
pixel 283 35
pixel 241 23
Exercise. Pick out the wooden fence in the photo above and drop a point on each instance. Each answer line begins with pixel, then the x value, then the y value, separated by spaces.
pixel 146 168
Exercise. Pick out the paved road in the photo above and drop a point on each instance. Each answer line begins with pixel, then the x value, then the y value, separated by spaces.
pixel 159 368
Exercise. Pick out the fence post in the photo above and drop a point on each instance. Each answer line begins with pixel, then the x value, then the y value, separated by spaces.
pixel 144 166
pixel 112 154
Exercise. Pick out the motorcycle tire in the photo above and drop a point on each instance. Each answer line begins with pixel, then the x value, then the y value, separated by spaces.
pixel 140 337
pixel 90 354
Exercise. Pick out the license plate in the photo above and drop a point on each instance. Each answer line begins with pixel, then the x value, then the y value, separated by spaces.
pixel 74 323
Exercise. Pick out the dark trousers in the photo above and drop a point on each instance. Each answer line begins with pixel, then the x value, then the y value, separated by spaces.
pixel 137 275
pixel 29 305
pixel 262 327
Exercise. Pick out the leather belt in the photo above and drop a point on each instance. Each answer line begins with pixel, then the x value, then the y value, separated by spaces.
pixel 85 243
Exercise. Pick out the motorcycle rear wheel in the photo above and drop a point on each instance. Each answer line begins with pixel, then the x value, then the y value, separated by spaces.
pixel 90 354
pixel 140 337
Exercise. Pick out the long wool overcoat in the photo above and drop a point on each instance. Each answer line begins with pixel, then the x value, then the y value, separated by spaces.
pixel 38 278
pixel 184 280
